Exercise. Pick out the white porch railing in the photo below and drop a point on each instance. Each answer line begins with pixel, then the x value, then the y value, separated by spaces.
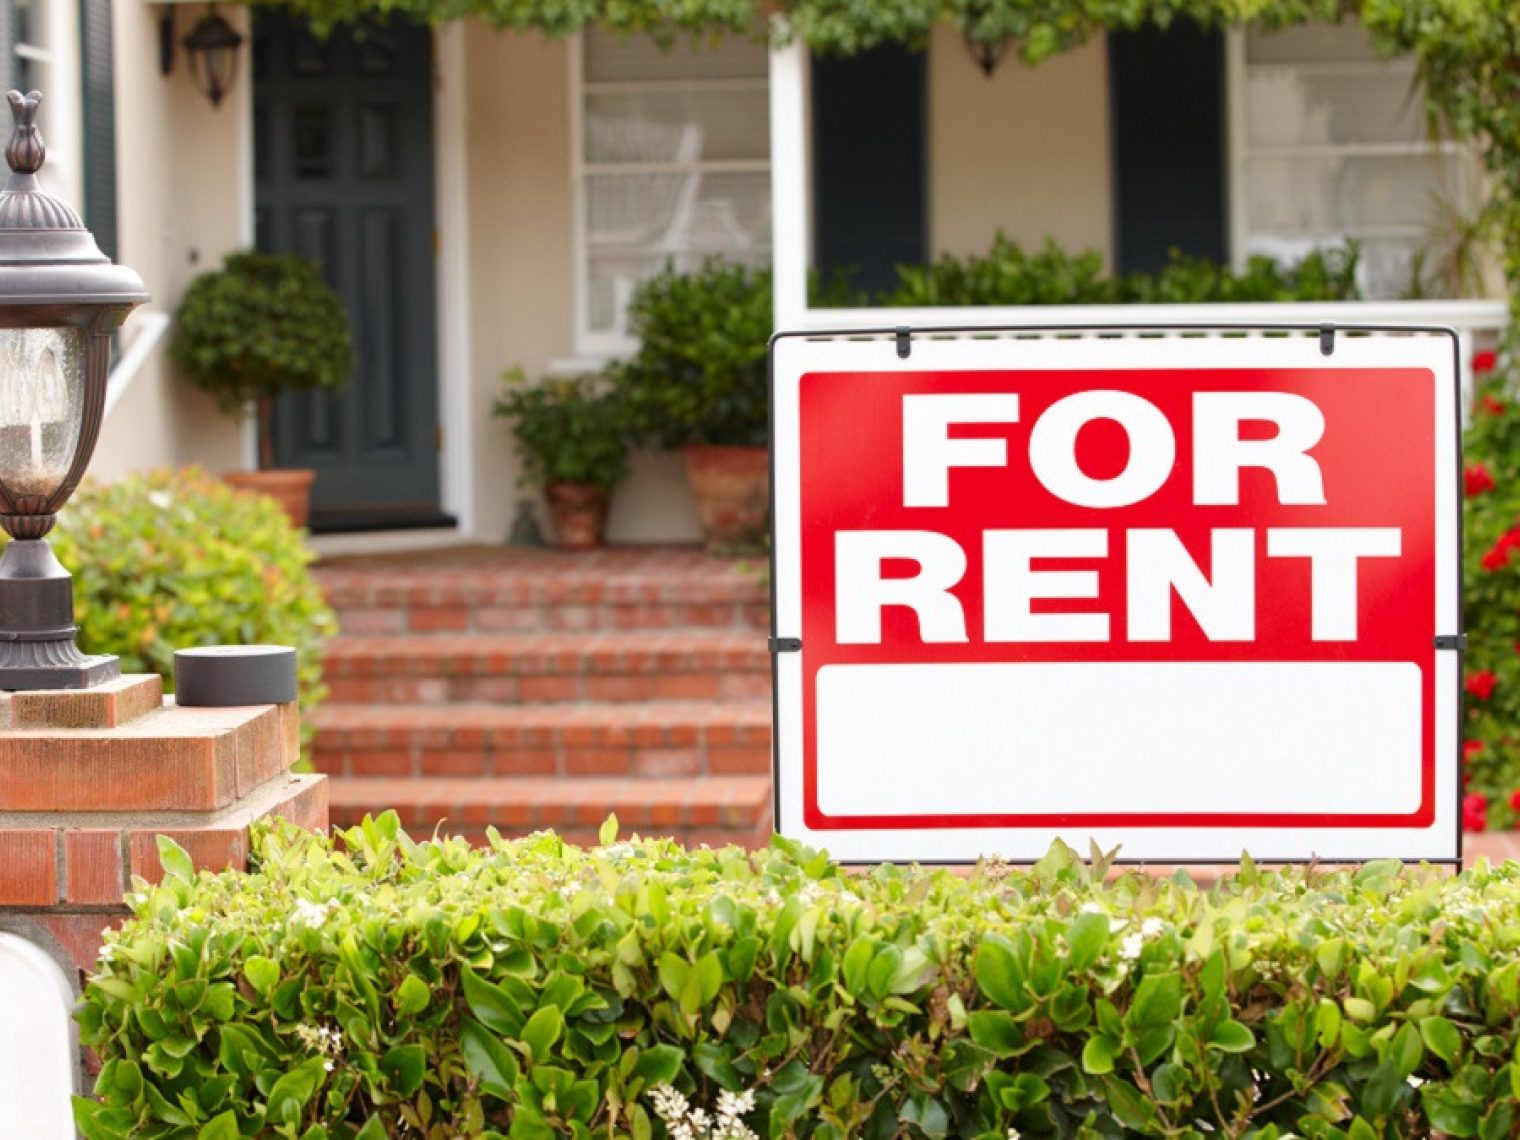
pixel 1478 324
pixel 149 327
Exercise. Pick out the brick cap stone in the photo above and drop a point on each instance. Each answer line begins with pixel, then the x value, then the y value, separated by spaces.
pixel 110 705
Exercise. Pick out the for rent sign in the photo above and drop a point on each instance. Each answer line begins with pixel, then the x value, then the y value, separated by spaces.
pixel 1179 594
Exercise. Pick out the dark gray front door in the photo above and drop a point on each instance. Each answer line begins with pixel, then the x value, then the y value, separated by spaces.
pixel 343 155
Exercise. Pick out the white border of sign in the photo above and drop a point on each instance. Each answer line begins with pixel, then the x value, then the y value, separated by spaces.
pixel 989 349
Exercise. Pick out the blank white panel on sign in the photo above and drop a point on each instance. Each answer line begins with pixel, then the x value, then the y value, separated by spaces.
pixel 1119 737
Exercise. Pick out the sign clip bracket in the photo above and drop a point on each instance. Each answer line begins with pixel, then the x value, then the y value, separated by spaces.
pixel 1327 340
pixel 1452 641
pixel 904 337
pixel 785 644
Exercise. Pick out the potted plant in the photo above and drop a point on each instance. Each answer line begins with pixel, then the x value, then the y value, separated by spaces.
pixel 698 382
pixel 261 325
pixel 572 439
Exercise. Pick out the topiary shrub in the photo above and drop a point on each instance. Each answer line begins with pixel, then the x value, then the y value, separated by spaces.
pixel 1491 597
pixel 175 559
pixel 262 325
pixel 699 376
pixel 369 986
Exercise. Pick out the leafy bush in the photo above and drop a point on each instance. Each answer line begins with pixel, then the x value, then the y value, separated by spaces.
pixel 568 430
pixel 261 325
pixel 699 376
pixel 371 986
pixel 176 559
pixel 1491 594
pixel 1008 275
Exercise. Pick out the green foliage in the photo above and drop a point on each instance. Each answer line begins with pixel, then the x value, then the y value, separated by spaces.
pixel 699 376
pixel 1008 275
pixel 1491 596
pixel 371 986
pixel 261 325
pixel 172 560
pixel 568 429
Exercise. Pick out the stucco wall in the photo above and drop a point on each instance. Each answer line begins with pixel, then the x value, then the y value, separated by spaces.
pixel 1026 151
pixel 180 203
pixel 521 273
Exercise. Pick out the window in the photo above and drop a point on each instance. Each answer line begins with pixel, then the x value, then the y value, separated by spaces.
pixel 44 42
pixel 1330 142
pixel 671 154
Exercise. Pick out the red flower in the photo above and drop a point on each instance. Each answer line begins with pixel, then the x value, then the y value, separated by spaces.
pixel 1496 559
pixel 1471 748
pixel 1484 362
pixel 1490 405
pixel 1474 812
pixel 1514 799
pixel 1481 684
pixel 1478 479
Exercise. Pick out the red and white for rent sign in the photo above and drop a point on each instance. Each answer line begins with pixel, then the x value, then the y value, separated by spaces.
pixel 1181 595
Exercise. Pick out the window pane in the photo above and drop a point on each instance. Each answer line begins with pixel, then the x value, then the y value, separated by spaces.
pixel 1311 43
pixel 1344 194
pixel 637 224
pixel 678 125
pixel 1288 106
pixel 612 59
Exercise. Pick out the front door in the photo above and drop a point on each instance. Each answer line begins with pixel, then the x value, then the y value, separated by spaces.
pixel 343 157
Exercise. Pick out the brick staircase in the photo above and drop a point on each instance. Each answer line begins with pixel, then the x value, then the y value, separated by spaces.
pixel 529 689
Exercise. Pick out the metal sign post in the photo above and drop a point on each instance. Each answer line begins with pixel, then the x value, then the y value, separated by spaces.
pixel 1185 592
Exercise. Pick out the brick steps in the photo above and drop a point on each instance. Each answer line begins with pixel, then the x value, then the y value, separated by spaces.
pixel 654 740
pixel 540 689
pixel 716 810
pixel 698 664
pixel 497 590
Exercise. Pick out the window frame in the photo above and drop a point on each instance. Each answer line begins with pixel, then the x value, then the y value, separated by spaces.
pixel 1239 154
pixel 590 345
pixel 55 50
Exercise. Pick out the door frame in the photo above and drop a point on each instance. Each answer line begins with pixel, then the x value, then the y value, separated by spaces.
pixel 451 267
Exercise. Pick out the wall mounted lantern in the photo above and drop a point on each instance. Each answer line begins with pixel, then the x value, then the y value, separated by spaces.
pixel 212 50
pixel 60 301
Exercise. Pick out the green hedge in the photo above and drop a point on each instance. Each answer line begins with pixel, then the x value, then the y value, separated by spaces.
pixel 372 986
pixel 170 560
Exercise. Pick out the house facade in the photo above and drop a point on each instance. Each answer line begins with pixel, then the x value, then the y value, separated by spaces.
pixel 486 199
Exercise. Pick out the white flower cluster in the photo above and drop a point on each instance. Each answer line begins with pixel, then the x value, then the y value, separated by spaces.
pixel 1134 941
pixel 683 1122
pixel 312 914
pixel 324 1039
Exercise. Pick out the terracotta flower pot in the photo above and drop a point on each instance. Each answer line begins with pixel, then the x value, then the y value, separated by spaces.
pixel 290 487
pixel 732 488
pixel 579 510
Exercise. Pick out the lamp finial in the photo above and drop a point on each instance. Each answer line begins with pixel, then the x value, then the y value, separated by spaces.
pixel 25 151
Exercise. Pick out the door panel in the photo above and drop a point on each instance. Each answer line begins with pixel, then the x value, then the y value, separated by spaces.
pixel 343 154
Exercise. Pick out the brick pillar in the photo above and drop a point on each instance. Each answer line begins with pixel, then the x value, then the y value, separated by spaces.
pixel 89 779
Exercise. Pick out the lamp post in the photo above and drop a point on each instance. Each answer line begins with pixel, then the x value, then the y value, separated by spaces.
pixel 60 301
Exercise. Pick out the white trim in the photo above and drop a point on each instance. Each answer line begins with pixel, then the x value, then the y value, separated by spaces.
pixel 150 326
pixel 791 214
pixel 582 341
pixel 452 273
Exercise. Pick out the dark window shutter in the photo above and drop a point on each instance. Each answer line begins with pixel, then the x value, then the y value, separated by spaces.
pixel 99 125
pixel 869 198
pixel 1167 93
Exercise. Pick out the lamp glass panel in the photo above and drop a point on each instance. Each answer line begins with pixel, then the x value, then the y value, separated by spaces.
pixel 41 407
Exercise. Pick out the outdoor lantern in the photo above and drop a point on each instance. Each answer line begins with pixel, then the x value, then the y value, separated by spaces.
pixel 60 301
pixel 212 46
